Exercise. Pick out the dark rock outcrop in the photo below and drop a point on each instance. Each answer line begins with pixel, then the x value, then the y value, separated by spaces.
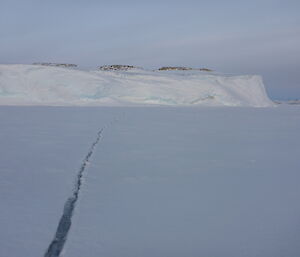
pixel 205 69
pixel 175 68
pixel 66 65
pixel 117 67
pixel 182 68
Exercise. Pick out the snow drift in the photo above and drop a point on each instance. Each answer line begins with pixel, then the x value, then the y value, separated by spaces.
pixel 42 85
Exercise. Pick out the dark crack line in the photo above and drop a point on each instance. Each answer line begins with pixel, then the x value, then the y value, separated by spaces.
pixel 64 225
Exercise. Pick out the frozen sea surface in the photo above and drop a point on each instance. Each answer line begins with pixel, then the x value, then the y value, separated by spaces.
pixel 161 182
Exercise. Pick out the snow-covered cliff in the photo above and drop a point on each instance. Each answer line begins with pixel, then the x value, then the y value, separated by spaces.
pixel 42 85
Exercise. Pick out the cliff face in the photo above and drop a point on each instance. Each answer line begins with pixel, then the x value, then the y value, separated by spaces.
pixel 42 85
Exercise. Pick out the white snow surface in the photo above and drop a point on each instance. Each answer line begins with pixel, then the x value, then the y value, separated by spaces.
pixel 42 85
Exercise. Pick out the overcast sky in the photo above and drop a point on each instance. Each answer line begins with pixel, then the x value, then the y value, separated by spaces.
pixel 239 37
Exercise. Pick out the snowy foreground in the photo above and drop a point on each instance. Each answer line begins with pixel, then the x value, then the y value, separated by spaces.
pixel 43 85
pixel 171 182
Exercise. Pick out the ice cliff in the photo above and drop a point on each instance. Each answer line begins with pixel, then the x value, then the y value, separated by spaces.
pixel 43 85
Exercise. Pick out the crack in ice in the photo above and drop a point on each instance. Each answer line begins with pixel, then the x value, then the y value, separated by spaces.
pixel 64 225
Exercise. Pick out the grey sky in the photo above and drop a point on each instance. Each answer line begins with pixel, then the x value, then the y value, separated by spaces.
pixel 258 36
